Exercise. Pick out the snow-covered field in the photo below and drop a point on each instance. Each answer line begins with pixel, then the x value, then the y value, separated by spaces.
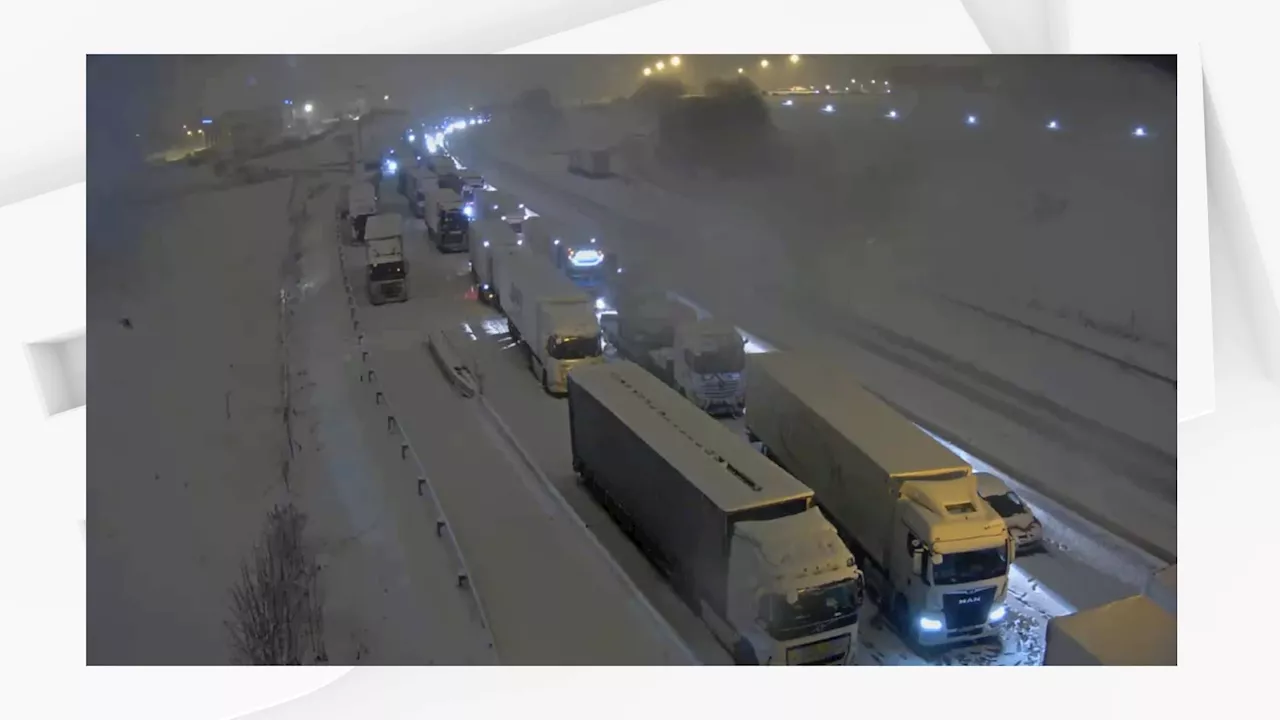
pixel 231 389
pixel 1071 424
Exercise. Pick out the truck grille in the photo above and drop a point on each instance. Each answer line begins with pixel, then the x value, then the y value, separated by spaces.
pixel 967 609
pixel 717 390
pixel 831 651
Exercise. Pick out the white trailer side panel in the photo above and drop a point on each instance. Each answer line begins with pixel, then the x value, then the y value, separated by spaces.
pixel 840 440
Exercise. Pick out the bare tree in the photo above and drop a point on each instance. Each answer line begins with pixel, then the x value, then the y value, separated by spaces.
pixel 277 608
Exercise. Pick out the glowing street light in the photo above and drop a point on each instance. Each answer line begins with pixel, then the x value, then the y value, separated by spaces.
pixel 764 62
pixel 308 108
pixel 1053 125
pixel 740 71
pixel 1139 131
pixel 660 65
pixel 386 98
pixel 794 59
pixel 675 61
pixel 648 72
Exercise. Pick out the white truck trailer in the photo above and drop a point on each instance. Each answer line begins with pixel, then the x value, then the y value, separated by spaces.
pixel 487 238
pixel 740 540
pixel 361 203
pixel 551 317
pixel 1132 631
pixel 936 555
pixel 386 272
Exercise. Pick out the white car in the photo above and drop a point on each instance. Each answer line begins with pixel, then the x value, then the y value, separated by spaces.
pixel 1023 526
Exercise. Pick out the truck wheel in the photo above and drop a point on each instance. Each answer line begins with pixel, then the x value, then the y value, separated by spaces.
pixel 898 611
pixel 744 654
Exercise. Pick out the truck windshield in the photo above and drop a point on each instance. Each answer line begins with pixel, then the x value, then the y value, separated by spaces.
pixel 728 357
pixel 453 221
pixel 574 348
pixel 386 271
pixel 972 566
pixel 818 609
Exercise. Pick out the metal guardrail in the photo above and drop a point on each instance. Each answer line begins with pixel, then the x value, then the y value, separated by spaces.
pixel 672 636
pixel 444 529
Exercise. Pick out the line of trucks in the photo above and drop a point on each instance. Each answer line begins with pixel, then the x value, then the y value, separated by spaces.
pixel 773 547
pixel 774 539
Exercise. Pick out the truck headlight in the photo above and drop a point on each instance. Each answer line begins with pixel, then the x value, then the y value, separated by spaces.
pixel 997 613
pixel 930 624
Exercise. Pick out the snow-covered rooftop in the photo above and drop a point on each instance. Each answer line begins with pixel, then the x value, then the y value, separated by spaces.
pixel 883 434
pixel 727 470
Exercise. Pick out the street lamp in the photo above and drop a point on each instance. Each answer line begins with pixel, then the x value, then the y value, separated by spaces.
pixel 386 98
pixel 764 63
pixel 795 59
pixel 660 65
pixel 675 61
pixel 308 108
pixel 648 72
pixel 740 71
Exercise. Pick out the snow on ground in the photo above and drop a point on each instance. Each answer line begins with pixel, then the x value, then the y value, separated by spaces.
pixel 551 597
pixel 1097 471
pixel 188 450
pixel 177 491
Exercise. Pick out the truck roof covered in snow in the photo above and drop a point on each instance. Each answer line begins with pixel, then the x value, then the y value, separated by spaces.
pixel 539 281
pixel 888 439
pixel 383 225
pixel 726 469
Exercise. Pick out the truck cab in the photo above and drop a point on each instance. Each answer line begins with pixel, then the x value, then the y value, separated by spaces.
pixel 387 274
pixel 707 363
pixel 952 572
pixel 447 224
pixel 793 591
pixel 568 337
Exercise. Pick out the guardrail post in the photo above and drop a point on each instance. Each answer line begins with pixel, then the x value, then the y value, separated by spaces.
pixel 404 450
pixel 364 356
pixel 391 421
pixel 463 580
pixel 421 483
pixel 440 527
pixel 373 375
pixel 377 398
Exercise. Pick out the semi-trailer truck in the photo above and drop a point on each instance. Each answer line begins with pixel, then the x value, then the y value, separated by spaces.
pixel 551 317
pixel 701 358
pixel 447 223
pixel 739 539
pixel 936 555
pixel 489 237
pixel 386 272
